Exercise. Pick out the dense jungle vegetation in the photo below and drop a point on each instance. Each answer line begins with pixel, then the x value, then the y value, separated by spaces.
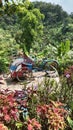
pixel 38 27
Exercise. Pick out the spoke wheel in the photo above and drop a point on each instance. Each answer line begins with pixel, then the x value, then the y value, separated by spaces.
pixel 51 71
pixel 23 75
pixel 54 64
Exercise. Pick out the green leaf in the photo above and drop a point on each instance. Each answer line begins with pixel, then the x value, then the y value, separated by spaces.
pixel 70 122
pixel 19 125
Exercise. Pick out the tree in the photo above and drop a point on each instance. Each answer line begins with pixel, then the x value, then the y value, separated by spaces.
pixel 53 13
pixel 29 20
pixel 30 24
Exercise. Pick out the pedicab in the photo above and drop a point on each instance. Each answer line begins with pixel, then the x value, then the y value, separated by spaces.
pixel 23 67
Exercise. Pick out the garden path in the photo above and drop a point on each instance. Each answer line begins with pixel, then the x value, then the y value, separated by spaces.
pixel 15 85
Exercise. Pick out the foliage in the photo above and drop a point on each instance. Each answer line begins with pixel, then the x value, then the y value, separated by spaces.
pixel 53 13
pixel 21 24
pixel 53 115
pixel 65 91
pixel 30 24
pixel 33 125
pixel 32 108
pixel 70 122
pixel 64 48
pixel 69 74
pixel 38 106
pixel 7 48
pixel 64 56
pixel 8 108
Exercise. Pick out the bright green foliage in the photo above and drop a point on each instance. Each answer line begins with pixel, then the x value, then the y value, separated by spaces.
pixel 20 25
pixel 70 121
pixel 64 48
pixel 7 46
pixel 31 25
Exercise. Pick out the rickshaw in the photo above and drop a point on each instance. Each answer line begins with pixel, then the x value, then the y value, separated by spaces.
pixel 23 67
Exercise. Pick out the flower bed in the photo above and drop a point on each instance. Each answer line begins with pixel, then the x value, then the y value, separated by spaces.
pixel 31 109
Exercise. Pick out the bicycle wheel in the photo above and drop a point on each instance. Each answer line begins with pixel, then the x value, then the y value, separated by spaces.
pixel 23 75
pixel 54 64
pixel 50 71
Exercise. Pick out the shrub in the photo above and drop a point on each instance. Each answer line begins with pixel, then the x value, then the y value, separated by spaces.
pixel 69 75
pixel 8 108
pixel 33 108
pixel 52 116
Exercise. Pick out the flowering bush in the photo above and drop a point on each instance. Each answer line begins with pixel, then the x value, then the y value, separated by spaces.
pixel 27 110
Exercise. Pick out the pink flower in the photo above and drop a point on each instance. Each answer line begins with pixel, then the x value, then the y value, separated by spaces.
pixel 67 75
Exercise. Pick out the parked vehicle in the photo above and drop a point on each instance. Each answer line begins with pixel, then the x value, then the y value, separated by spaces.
pixel 22 69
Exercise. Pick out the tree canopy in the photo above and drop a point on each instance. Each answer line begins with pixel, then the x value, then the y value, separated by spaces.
pixel 39 26
pixel 30 24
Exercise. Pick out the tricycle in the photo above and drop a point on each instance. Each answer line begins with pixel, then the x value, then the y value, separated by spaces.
pixel 22 68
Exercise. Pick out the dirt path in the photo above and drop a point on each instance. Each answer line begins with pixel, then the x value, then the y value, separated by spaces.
pixel 15 85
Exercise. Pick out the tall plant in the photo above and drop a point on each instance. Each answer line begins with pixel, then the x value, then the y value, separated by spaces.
pixel 64 48
pixel 63 55
pixel 30 20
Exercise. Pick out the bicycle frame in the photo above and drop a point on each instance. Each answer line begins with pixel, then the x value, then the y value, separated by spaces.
pixel 41 66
